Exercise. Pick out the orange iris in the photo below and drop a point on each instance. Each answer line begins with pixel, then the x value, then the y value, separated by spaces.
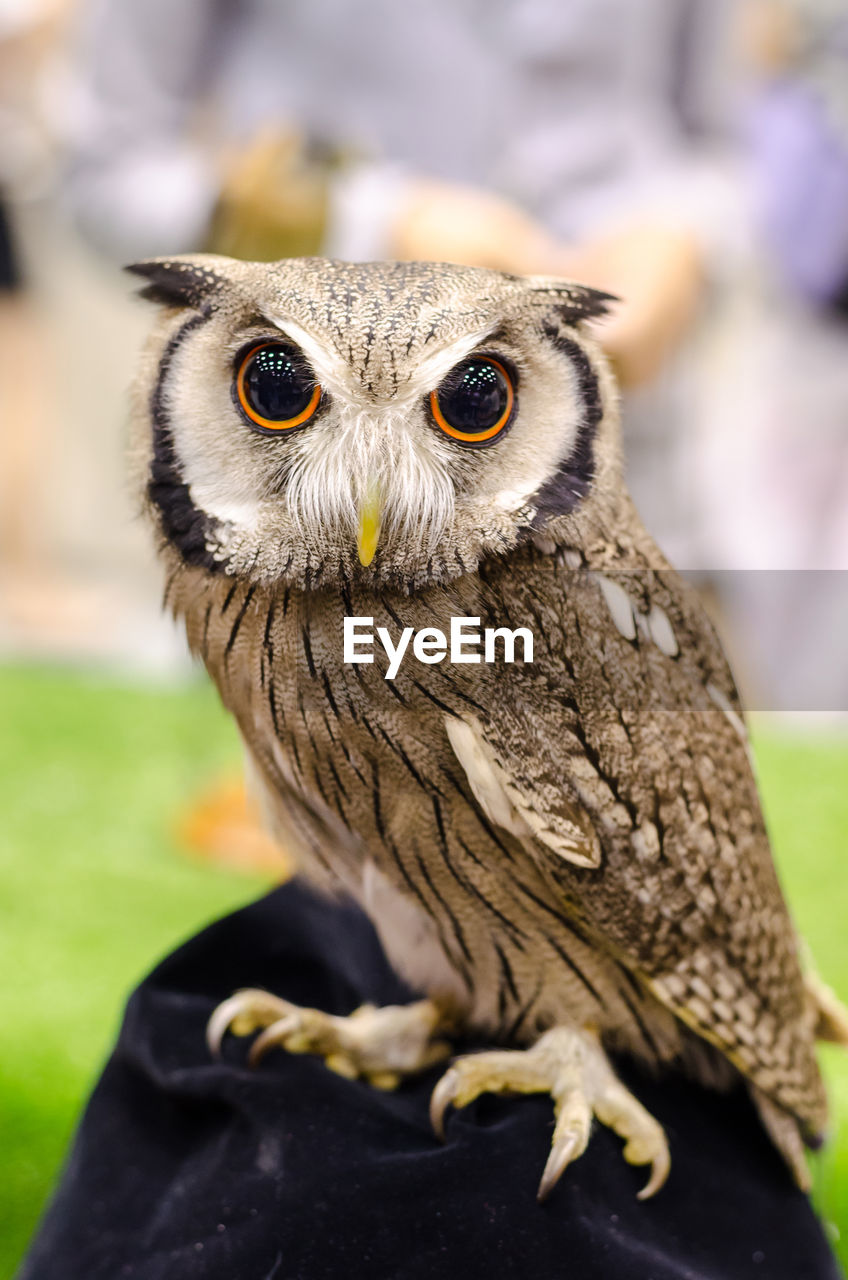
pixel 278 381
pixel 449 390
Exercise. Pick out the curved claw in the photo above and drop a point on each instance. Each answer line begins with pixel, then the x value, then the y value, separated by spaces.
pixel 441 1098
pixel 219 1023
pixel 561 1155
pixel 251 1008
pixel 274 1034
pixel 660 1166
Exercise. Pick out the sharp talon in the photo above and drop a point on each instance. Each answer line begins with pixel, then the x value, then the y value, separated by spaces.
pixel 442 1097
pixel 659 1172
pixel 271 1036
pixel 559 1159
pixel 219 1023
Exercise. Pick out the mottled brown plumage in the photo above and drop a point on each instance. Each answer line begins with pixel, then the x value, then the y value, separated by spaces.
pixel 572 842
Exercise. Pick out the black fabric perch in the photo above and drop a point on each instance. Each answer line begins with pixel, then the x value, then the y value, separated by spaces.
pixel 188 1168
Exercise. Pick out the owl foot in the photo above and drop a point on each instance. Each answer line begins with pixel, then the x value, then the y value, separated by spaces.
pixel 380 1045
pixel 573 1068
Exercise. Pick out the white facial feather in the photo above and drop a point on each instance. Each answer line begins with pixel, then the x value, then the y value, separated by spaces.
pixel 334 372
pixel 340 462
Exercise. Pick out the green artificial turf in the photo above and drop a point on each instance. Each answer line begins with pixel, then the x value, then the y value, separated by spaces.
pixel 94 889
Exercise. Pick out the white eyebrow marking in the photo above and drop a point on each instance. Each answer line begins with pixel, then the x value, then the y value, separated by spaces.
pixel 335 369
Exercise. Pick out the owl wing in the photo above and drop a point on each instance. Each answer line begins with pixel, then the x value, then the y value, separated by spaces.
pixel 621 760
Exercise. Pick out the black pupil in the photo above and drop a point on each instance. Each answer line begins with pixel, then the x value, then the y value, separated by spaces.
pixel 474 397
pixel 277 386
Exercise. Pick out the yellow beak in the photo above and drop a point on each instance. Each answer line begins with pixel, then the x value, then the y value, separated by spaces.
pixel 368 533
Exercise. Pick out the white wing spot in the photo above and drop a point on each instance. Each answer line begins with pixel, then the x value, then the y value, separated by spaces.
pixel 662 632
pixel 503 803
pixel 620 606
pixel 485 785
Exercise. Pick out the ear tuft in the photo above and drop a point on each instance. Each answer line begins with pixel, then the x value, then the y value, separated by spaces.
pixel 176 282
pixel 573 302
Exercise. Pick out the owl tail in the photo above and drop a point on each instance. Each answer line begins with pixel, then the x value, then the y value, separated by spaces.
pixel 789 1134
pixel 785 1132
pixel 831 1014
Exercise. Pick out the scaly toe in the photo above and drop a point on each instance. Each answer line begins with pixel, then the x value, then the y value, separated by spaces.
pixel 572 1067
pixel 381 1045
pixel 385 1080
pixel 644 1139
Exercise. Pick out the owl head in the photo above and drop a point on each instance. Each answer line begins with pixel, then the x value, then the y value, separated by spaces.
pixel 318 422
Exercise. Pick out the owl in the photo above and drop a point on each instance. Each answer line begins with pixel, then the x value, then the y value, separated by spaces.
pixel 559 843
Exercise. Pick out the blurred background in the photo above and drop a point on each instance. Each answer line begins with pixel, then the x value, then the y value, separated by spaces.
pixel 690 156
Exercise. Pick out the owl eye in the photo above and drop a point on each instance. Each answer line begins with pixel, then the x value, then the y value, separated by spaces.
pixel 475 402
pixel 275 388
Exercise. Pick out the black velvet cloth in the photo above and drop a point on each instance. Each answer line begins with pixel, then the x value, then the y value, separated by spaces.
pixel 185 1167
